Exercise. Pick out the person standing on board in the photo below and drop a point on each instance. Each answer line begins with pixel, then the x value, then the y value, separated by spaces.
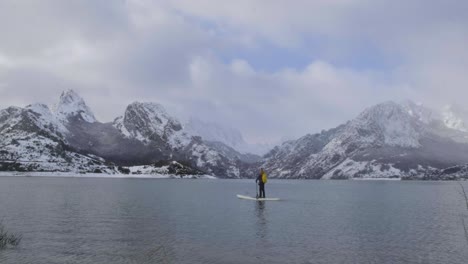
pixel 261 180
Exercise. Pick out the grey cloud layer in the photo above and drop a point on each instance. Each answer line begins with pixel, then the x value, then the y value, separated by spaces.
pixel 115 52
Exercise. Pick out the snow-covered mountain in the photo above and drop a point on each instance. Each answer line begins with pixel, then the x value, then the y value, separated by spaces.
pixel 229 136
pixel 420 112
pixel 150 124
pixel 71 139
pixel 33 139
pixel 403 140
pixel 72 105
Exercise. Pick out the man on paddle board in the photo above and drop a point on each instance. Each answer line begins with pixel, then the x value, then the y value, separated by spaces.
pixel 261 180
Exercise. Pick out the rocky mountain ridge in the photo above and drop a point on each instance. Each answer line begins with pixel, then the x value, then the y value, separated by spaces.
pixel 388 140
pixel 145 134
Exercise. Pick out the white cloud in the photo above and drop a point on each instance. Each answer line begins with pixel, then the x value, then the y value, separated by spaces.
pixel 289 102
pixel 198 57
pixel 242 67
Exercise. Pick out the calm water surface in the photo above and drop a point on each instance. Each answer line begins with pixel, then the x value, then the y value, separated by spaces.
pixel 91 220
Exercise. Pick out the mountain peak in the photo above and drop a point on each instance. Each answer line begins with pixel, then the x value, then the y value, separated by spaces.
pixel 146 121
pixel 419 111
pixel 69 96
pixel 153 114
pixel 383 110
pixel 390 123
pixel 149 106
pixel 72 105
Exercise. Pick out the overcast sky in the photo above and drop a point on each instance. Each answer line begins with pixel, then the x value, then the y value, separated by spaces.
pixel 272 69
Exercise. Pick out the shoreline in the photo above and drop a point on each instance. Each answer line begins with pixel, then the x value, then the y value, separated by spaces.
pixel 375 179
pixel 173 176
pixel 102 175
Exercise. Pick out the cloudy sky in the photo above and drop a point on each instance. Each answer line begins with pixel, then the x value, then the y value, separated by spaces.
pixel 272 69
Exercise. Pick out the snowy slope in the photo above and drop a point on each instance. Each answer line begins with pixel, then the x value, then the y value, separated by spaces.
pixel 33 118
pixel 149 122
pixel 384 124
pixel 33 140
pixel 386 140
pixel 47 120
pixel 72 105
pixel 70 139
pixel 420 112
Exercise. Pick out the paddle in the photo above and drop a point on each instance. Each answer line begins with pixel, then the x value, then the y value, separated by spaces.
pixel 256 189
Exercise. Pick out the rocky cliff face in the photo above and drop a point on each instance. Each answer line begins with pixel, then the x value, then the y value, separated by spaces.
pixel 34 139
pixel 71 105
pixel 150 124
pixel 403 140
pixel 69 138
pixel 386 140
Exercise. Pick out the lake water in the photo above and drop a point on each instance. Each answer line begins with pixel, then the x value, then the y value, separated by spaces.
pixel 92 220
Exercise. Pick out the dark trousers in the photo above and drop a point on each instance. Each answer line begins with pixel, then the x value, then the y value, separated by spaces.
pixel 262 190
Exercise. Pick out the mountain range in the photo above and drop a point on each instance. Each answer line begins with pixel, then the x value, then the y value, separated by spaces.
pixel 68 137
pixel 388 140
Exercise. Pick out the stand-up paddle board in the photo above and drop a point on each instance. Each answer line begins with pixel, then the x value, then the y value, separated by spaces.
pixel 256 199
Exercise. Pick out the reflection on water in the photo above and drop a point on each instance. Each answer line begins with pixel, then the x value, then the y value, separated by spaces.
pixel 261 221
pixel 66 220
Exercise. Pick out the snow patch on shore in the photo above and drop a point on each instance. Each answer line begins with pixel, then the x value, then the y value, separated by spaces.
pixel 101 175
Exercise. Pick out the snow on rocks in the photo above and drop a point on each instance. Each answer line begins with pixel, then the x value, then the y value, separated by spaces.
pixel 46 120
pixel 350 169
pixel 148 122
pixel 389 140
pixel 72 105
pixel 35 138
pixel 32 152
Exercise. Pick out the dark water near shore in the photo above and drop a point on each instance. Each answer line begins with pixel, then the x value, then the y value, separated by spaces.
pixel 91 220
